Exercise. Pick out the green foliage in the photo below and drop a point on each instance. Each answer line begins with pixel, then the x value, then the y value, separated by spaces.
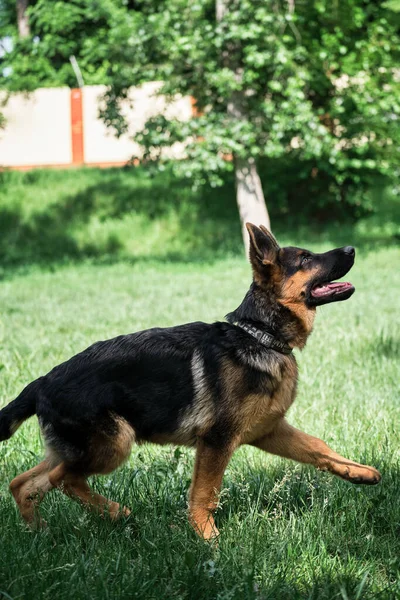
pixel 288 531
pixel 59 29
pixel 316 84
pixel 392 5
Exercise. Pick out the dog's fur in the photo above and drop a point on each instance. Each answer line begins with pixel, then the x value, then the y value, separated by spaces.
pixel 214 387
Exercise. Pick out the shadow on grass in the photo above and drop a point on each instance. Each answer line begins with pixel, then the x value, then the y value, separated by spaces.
pixel 281 491
pixel 206 222
pixel 280 495
pixel 385 345
pixel 157 539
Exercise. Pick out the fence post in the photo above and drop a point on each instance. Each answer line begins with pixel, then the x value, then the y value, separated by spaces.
pixel 78 157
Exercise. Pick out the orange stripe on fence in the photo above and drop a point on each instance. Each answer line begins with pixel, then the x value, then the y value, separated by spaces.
pixel 77 127
pixel 195 111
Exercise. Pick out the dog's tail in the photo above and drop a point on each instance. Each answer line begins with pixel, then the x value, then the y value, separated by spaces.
pixel 20 409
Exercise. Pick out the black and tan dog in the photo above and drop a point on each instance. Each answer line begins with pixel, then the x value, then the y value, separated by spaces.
pixel 214 387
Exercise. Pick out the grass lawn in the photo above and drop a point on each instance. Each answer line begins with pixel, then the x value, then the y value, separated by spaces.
pixel 288 531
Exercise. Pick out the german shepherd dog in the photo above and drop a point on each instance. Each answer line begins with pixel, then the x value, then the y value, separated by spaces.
pixel 214 387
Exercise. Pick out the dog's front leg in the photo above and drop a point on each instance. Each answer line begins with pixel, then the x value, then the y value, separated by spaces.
pixel 208 472
pixel 289 442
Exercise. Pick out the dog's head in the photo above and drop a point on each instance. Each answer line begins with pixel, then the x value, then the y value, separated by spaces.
pixel 298 277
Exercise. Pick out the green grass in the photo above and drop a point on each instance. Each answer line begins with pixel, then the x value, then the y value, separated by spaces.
pixel 107 214
pixel 288 531
pixel 52 217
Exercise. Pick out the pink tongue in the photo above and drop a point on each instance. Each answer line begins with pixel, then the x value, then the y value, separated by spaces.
pixel 329 288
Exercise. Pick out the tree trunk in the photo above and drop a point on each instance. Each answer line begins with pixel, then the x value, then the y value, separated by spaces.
pixel 249 192
pixel 250 197
pixel 22 18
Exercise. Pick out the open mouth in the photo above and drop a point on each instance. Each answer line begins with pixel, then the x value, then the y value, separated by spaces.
pixel 334 288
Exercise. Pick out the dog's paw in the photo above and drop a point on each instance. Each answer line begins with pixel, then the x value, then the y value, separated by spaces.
pixel 210 534
pixel 360 474
pixel 118 513
pixel 204 526
pixel 37 523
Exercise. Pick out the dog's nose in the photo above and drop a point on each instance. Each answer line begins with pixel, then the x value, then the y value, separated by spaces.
pixel 349 250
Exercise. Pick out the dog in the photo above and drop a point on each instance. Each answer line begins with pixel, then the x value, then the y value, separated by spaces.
pixel 209 386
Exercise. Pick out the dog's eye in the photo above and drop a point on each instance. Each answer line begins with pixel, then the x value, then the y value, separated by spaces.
pixel 305 259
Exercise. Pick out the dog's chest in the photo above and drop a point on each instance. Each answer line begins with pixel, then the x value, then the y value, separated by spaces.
pixel 262 411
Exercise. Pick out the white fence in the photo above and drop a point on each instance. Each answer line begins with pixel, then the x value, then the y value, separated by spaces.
pixel 61 127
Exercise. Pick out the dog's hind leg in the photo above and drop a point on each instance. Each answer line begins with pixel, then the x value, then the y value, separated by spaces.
pixel 289 442
pixel 109 447
pixel 206 483
pixel 76 487
pixel 29 489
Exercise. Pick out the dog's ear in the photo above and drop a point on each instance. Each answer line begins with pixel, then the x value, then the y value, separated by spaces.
pixel 271 237
pixel 263 246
